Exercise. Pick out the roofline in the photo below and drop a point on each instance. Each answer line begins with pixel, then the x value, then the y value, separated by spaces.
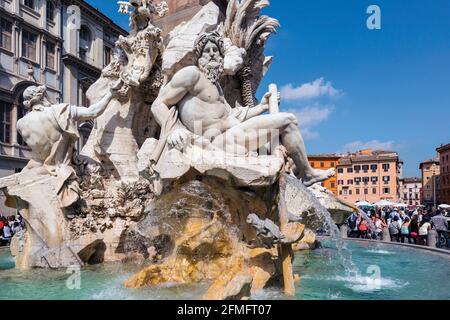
pixel 320 156
pixel 443 148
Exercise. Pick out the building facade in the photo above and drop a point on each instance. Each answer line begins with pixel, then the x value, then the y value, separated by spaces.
pixel 183 10
pixel 444 162
pixel 325 162
pixel 410 191
pixel 37 48
pixel 431 182
pixel 369 175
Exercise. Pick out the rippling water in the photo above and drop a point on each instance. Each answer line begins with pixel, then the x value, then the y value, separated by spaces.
pixel 392 273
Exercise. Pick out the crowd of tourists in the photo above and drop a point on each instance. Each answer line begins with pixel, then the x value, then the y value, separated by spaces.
pixel 9 226
pixel 402 225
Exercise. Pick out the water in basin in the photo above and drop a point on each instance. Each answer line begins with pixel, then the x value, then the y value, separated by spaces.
pixel 404 274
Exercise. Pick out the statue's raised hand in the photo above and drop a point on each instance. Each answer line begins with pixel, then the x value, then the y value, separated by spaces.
pixel 265 104
pixel 179 138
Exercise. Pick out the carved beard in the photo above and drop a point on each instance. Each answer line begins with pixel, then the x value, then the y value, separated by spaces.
pixel 213 70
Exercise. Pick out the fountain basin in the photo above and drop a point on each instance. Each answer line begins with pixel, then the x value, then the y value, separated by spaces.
pixel 405 273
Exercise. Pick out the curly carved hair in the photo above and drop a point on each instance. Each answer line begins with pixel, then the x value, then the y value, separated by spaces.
pixel 203 40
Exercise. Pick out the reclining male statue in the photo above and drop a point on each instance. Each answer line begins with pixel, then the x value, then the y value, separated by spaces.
pixel 203 111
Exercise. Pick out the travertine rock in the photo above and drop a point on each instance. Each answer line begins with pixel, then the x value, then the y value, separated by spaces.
pixel 180 42
pixel 239 170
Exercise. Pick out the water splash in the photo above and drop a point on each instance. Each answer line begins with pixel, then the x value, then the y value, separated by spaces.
pixel 314 210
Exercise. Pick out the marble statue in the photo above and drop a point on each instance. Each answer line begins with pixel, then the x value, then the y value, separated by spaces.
pixel 51 132
pixel 138 190
pixel 193 103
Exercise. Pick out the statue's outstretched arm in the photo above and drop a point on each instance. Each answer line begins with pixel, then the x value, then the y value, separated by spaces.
pixel 248 113
pixel 94 111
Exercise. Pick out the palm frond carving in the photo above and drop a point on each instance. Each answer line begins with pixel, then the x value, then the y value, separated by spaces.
pixel 247 29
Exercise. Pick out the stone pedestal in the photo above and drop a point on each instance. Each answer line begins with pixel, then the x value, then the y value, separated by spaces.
pixel 386 235
pixel 432 238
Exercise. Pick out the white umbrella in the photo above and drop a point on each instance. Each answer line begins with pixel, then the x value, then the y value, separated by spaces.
pixel 400 205
pixel 444 206
pixel 384 203
pixel 363 204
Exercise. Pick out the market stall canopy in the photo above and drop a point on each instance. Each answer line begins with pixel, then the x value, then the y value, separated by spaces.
pixel 384 203
pixel 444 206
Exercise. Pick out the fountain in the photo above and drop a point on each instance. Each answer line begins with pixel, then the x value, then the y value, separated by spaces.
pixel 165 179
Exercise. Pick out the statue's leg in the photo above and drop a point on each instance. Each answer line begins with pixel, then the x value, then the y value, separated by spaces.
pixel 258 131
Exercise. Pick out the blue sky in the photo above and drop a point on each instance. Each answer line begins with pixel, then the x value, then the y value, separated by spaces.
pixel 352 87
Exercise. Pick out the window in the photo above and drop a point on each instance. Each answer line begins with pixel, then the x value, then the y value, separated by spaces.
pixel 350 181
pixel 374 190
pixel 340 170
pixel 50 55
pixel 349 170
pixel 357 181
pixel 357 169
pixel 386 167
pixel 366 180
pixel 108 57
pixel 366 191
pixel 29 3
pixel 340 182
pixel 350 192
pixel 29 45
pixel 332 164
pixel 374 167
pixel 20 114
pixel 374 180
pixel 386 190
pixel 340 192
pixel 386 179
pixel 50 10
pixel 84 99
pixel 358 191
pixel 6 30
pixel 5 122
pixel 365 168
pixel 312 164
pixel 85 42
pixel 322 165
pixel 332 185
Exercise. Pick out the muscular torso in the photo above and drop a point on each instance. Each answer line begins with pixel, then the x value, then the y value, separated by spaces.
pixel 204 107
pixel 40 131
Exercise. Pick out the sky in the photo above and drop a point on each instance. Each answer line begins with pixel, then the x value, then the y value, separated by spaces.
pixel 354 88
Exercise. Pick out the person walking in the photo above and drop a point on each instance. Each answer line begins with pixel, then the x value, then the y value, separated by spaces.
pixel 405 232
pixel 7 234
pixel 394 229
pixel 352 223
pixel 440 224
pixel 363 229
pixel 414 228
pixel 425 227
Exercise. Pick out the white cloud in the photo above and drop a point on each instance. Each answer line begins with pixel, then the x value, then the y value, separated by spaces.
pixel 308 91
pixel 310 117
pixel 374 144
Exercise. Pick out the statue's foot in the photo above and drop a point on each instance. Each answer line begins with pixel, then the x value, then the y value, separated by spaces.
pixel 318 176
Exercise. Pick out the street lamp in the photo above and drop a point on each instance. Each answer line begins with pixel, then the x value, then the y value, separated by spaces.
pixel 434 187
